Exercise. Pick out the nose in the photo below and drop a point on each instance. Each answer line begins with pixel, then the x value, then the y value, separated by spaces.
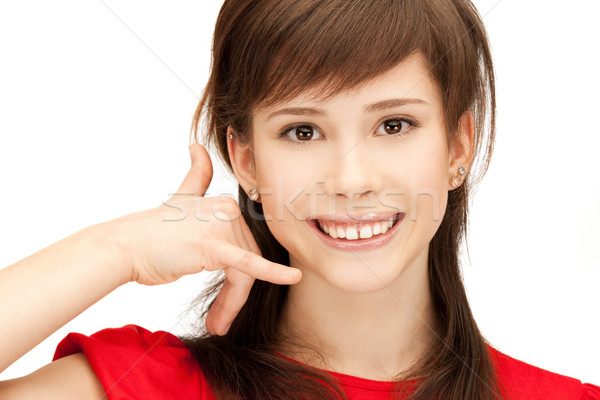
pixel 353 173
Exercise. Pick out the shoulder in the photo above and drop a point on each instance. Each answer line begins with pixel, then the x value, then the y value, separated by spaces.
pixel 132 362
pixel 525 381
pixel 68 378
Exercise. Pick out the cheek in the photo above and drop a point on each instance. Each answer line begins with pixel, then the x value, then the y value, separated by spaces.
pixel 286 185
pixel 418 183
pixel 428 189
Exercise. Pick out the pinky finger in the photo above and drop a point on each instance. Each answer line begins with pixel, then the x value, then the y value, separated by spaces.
pixel 229 302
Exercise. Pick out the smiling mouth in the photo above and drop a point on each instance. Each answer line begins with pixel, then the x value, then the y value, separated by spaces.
pixel 356 231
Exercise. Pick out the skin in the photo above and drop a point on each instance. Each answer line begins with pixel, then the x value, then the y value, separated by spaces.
pixel 70 377
pixel 368 313
pixel 42 292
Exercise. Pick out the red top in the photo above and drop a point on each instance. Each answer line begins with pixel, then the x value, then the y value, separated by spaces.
pixel 134 363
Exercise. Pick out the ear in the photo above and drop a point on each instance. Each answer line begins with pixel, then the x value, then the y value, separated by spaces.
pixel 461 148
pixel 242 160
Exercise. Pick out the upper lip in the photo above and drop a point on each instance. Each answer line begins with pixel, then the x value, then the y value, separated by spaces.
pixel 370 216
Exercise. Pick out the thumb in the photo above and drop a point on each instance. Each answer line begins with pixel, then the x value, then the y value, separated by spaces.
pixel 198 178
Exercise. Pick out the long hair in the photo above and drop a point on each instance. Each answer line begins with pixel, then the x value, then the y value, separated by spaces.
pixel 268 51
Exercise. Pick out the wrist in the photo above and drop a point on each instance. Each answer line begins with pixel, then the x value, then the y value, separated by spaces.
pixel 113 244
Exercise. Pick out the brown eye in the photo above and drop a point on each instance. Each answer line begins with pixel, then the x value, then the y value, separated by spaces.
pixel 396 127
pixel 301 134
pixel 304 132
pixel 393 126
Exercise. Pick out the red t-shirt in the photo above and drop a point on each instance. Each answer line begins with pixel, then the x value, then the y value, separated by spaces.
pixel 134 363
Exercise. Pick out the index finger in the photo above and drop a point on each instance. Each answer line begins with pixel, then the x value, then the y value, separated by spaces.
pixel 230 256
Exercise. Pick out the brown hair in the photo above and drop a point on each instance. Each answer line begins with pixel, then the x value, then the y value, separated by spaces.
pixel 268 51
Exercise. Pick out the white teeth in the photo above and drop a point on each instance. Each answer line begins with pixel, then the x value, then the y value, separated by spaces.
pixel 353 232
pixel 333 233
pixel 384 227
pixel 376 228
pixel 366 232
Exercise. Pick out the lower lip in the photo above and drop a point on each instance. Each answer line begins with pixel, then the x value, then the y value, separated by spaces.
pixel 358 244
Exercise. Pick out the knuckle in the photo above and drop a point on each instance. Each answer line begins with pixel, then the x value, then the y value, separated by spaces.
pixel 254 264
pixel 226 208
pixel 227 201
pixel 238 278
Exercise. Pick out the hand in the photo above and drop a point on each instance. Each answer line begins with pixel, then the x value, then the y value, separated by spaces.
pixel 190 233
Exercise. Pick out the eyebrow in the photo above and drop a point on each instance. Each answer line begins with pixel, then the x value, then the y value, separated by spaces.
pixel 379 106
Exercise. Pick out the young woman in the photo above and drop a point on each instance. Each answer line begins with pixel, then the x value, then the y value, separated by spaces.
pixel 354 129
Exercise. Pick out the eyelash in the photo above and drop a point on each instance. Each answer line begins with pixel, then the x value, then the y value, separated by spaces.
pixel 291 142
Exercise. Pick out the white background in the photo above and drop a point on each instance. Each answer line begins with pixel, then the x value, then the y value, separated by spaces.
pixel 96 101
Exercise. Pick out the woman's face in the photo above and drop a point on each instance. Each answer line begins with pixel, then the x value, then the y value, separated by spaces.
pixel 377 151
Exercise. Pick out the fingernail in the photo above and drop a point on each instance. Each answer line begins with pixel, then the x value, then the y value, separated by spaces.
pixel 292 273
pixel 226 329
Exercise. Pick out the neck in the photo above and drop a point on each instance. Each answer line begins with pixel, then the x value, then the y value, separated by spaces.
pixel 377 335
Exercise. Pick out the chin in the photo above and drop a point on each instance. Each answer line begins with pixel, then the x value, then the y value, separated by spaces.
pixel 356 276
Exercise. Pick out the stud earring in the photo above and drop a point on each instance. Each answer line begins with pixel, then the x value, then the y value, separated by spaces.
pixel 253 194
pixel 457 180
pixel 230 136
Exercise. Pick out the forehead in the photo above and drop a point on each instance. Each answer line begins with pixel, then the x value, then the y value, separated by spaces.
pixel 408 79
